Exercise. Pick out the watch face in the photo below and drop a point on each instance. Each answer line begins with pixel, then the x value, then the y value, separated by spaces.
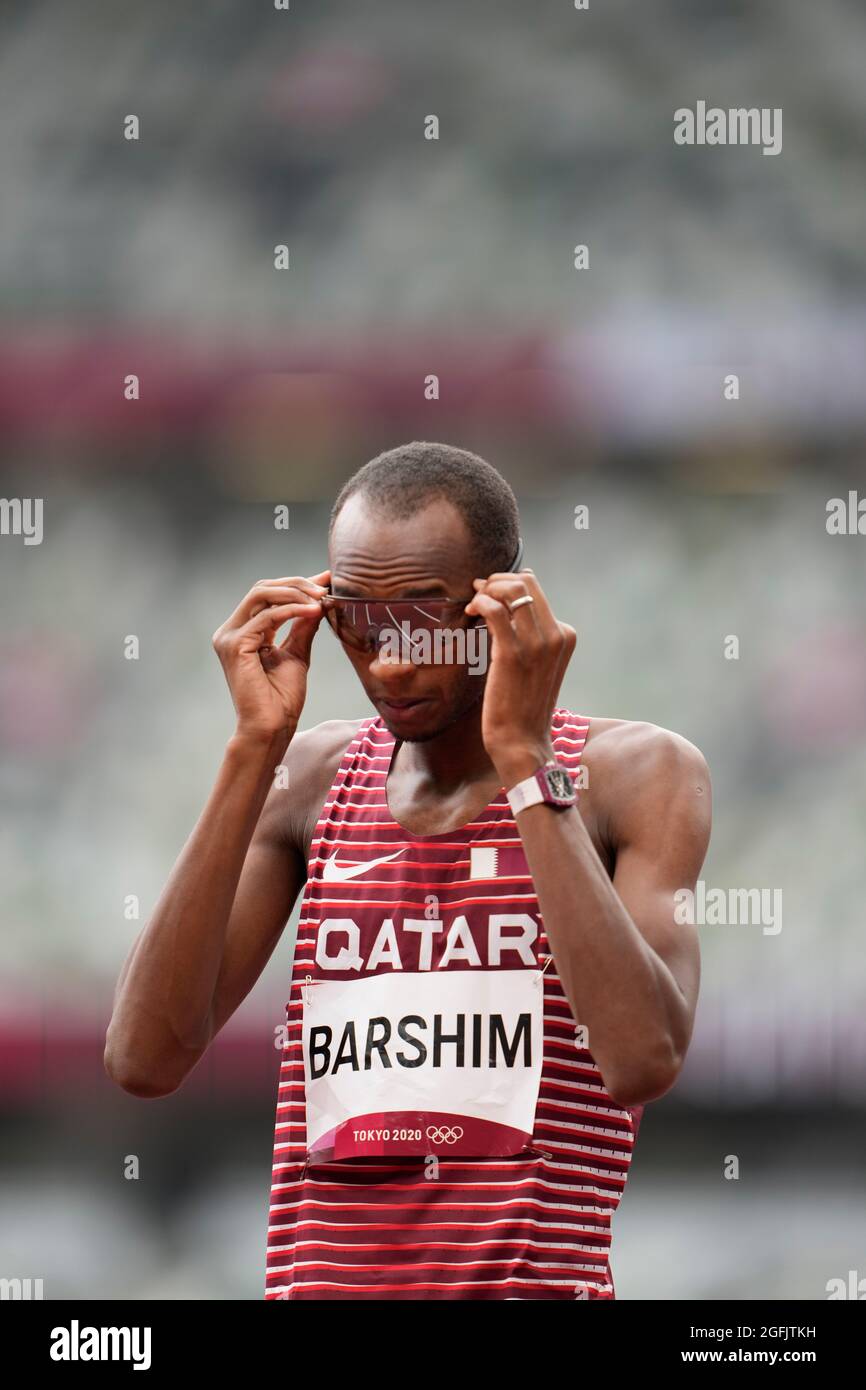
pixel 560 784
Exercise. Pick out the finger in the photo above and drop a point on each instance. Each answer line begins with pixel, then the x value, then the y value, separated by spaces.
pixel 263 596
pixel 507 590
pixel 569 643
pixel 269 597
pixel 498 621
pixel 317 580
pixel 268 591
pixel 261 630
pixel 321 580
pixel 543 611
pixel 299 640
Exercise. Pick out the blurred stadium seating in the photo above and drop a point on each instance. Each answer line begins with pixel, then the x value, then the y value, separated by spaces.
pixel 261 387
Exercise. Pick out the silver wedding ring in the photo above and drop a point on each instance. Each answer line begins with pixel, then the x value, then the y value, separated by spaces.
pixel 519 602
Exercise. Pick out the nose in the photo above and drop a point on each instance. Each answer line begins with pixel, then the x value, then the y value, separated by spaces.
pixel 391 670
pixel 398 648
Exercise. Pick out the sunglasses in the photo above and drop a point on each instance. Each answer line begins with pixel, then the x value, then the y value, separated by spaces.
pixel 362 624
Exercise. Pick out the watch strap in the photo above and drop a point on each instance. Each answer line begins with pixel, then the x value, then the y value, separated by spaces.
pixel 525 793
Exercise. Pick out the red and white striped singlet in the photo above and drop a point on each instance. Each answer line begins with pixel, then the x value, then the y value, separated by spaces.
pixel 534 1225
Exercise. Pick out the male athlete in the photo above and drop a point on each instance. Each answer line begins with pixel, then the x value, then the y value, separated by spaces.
pixel 489 981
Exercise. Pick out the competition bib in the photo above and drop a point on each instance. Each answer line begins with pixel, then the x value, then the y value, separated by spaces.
pixel 417 1064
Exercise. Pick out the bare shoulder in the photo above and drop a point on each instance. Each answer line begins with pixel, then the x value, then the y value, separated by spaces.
pixel 311 762
pixel 635 748
pixel 643 780
pixel 313 751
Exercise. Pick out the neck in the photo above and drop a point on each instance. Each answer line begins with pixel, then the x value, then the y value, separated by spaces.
pixel 452 758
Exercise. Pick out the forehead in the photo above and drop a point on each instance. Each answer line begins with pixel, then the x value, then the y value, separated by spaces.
pixel 370 548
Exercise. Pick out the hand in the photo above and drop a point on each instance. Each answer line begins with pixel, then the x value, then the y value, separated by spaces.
pixel 530 651
pixel 268 683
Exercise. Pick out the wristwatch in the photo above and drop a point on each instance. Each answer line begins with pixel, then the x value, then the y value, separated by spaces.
pixel 551 783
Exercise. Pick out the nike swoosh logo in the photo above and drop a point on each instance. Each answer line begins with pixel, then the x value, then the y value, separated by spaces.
pixel 335 872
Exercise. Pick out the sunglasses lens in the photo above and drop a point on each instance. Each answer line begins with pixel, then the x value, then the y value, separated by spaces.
pixel 345 620
pixel 364 626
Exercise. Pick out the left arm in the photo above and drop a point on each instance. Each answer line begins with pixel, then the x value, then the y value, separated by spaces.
pixel 629 971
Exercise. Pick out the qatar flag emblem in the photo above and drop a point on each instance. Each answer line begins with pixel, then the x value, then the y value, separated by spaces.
pixel 497 861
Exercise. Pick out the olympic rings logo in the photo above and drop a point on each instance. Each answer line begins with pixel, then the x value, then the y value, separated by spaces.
pixel 444 1134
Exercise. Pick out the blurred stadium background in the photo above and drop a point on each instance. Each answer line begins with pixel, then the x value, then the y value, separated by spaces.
pixel 601 387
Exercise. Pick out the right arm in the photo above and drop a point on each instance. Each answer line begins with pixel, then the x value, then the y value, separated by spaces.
pixel 232 889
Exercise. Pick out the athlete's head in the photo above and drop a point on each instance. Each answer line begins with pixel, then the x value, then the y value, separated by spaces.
pixel 420 521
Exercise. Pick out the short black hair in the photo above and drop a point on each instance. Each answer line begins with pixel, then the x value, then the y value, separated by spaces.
pixel 404 480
